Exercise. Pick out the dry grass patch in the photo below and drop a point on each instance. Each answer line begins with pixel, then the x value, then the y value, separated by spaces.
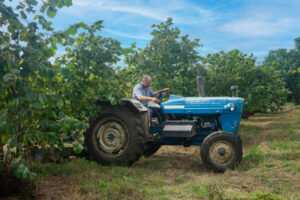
pixel 269 170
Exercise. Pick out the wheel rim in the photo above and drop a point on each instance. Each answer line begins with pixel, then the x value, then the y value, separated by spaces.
pixel 222 153
pixel 111 137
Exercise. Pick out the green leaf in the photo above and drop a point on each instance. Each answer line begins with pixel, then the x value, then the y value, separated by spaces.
pixel 98 24
pixel 42 99
pixel 36 17
pixel 25 172
pixel 51 138
pixel 13 142
pixel 23 15
pixel 11 29
pixel 72 30
pixel 68 2
pixel 8 77
pixel 43 8
pixel 77 147
pixel 30 97
pixel 51 12
pixel 32 2
pixel 21 170
pixel 32 176
pixel 44 123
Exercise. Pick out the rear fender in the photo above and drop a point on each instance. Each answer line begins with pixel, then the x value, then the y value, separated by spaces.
pixel 137 107
pixel 141 110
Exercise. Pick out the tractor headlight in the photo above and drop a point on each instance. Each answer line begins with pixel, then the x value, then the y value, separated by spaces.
pixel 230 107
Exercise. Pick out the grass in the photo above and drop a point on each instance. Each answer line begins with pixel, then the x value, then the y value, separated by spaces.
pixel 270 169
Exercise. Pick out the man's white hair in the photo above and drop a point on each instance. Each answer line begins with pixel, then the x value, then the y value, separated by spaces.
pixel 146 77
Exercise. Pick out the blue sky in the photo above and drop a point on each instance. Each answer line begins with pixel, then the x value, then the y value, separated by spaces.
pixel 252 26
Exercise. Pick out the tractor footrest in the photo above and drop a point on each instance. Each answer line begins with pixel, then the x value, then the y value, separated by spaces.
pixel 180 128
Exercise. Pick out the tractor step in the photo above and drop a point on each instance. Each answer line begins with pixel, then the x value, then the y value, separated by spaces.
pixel 180 128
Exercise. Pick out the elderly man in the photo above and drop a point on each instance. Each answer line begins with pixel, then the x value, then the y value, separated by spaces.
pixel 144 94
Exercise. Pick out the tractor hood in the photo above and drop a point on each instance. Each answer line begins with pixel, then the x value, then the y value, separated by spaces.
pixel 203 105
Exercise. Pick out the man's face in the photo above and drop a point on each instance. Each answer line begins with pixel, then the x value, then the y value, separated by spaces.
pixel 147 83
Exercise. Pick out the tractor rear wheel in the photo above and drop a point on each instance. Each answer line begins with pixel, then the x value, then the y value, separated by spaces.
pixel 116 137
pixel 220 151
pixel 151 148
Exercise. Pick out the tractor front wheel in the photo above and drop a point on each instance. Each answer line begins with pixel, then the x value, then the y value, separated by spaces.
pixel 220 151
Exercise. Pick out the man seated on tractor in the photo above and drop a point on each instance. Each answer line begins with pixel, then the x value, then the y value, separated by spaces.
pixel 144 94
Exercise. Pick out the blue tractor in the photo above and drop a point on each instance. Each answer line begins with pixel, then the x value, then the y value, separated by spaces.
pixel 124 133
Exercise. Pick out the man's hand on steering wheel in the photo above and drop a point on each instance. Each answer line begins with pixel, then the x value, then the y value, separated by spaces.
pixel 155 100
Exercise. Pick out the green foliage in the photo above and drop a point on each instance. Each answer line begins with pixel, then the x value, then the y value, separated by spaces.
pixel 259 85
pixel 21 169
pixel 254 155
pixel 288 63
pixel 29 90
pixel 171 60
pixel 266 196
pixel 88 74
pixel 42 102
pixel 77 147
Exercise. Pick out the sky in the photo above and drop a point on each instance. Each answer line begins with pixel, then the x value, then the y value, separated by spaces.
pixel 252 26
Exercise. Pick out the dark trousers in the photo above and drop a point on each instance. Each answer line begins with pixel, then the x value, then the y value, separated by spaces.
pixel 156 112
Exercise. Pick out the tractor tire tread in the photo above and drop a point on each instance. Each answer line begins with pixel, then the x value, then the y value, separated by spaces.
pixel 136 133
pixel 204 152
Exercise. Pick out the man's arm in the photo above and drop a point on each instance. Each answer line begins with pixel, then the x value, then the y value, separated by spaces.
pixel 145 98
pixel 138 93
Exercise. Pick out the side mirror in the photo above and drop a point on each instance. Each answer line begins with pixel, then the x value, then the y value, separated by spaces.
pixel 234 88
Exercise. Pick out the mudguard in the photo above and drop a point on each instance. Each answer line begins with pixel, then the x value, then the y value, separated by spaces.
pixel 141 110
pixel 138 106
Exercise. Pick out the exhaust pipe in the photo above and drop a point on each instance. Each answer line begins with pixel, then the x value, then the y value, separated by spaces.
pixel 200 84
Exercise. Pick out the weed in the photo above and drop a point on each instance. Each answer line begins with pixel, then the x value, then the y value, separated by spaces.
pixel 270 169
pixel 284 165
pixel 290 104
pixel 290 130
pixel 266 196
pixel 215 192
pixel 254 155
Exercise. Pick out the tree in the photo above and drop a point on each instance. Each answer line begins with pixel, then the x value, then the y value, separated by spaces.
pixel 171 59
pixel 29 101
pixel 42 102
pixel 288 63
pixel 89 74
pixel 259 85
pixel 297 43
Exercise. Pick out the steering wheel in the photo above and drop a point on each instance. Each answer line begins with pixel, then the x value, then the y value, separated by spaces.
pixel 160 94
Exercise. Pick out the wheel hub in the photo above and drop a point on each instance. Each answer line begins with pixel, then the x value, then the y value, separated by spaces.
pixel 111 137
pixel 222 152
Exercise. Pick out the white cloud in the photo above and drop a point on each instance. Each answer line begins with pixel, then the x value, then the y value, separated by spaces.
pixel 259 26
pixel 179 10
pixel 118 7
pixel 136 36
